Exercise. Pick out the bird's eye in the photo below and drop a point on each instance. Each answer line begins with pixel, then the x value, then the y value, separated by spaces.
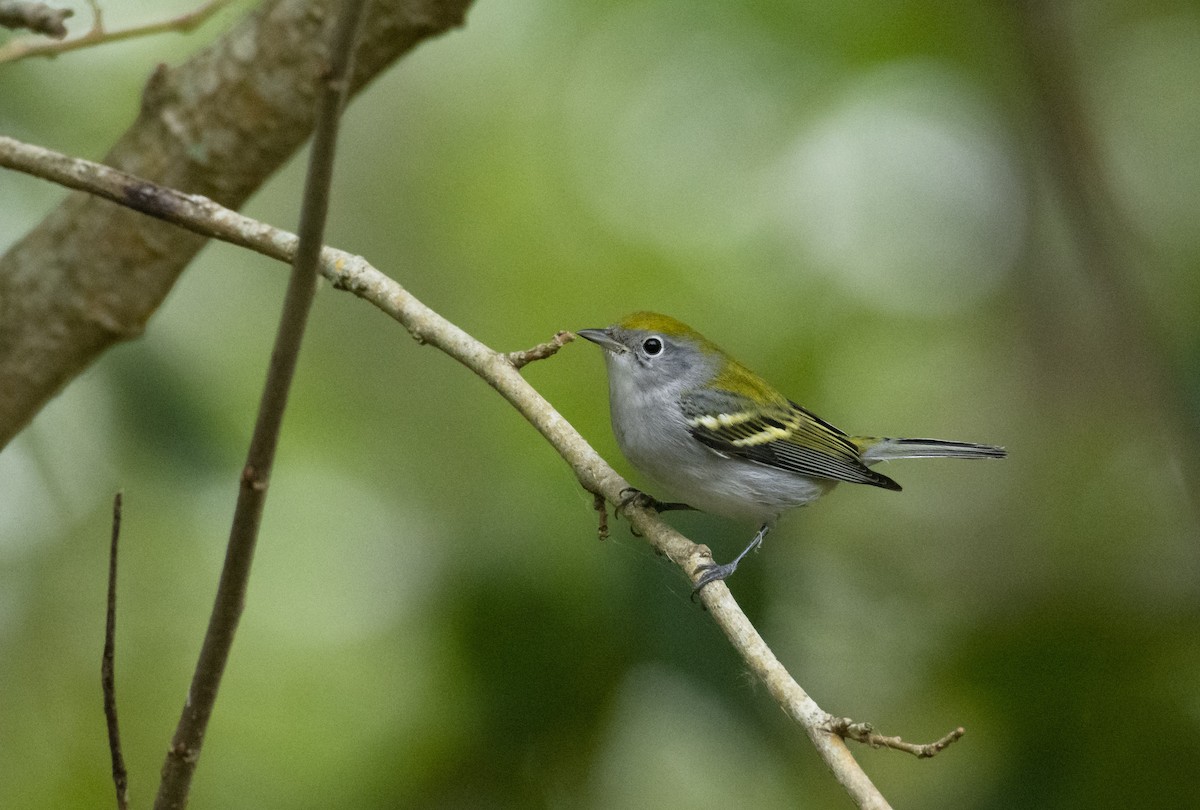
pixel 652 346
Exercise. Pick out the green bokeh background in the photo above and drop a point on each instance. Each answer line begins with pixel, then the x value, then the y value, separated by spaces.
pixel 846 196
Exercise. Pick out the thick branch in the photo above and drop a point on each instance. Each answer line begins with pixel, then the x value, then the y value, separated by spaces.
pixel 353 273
pixel 92 274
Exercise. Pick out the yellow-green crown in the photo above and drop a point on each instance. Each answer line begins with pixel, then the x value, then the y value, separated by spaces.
pixel 732 376
pixel 663 325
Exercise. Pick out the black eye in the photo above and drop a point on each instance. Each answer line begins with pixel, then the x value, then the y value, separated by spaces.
pixel 652 346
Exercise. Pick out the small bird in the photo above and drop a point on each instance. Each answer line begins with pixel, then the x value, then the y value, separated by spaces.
pixel 723 440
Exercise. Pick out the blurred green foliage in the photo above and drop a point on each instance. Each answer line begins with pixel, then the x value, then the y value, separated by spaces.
pixel 845 195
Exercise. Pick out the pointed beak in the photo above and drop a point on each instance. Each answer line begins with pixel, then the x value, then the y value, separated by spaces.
pixel 602 338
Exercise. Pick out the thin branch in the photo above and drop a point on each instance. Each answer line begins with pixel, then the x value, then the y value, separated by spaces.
pixel 184 753
pixel 762 662
pixel 36 17
pixel 352 273
pixel 107 674
pixel 865 733
pixel 540 351
pixel 99 35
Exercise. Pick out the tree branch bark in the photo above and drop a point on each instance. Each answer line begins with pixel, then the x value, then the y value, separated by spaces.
pixel 92 274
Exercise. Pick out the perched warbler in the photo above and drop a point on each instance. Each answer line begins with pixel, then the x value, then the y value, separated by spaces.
pixel 723 440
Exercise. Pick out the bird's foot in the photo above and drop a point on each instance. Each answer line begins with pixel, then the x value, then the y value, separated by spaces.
pixel 713 572
pixel 629 496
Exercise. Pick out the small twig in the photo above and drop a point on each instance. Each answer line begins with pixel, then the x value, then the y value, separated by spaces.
pixel 601 507
pixel 107 675
pixel 864 733
pixel 36 17
pixel 98 35
pixel 540 351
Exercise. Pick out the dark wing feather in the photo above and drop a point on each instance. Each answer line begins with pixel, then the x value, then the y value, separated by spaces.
pixel 784 435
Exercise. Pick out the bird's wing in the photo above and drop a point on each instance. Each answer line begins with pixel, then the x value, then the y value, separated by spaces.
pixel 783 435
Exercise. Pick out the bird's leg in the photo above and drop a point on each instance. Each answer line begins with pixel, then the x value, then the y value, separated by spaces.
pixel 630 495
pixel 713 572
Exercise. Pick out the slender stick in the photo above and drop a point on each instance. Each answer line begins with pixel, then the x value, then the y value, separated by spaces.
pixel 182 756
pixel 107 674
pixel 540 351
pixel 865 733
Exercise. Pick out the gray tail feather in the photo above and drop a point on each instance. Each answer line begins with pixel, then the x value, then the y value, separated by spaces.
pixel 888 449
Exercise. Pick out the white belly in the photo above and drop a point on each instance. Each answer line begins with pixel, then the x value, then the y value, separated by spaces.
pixel 699 476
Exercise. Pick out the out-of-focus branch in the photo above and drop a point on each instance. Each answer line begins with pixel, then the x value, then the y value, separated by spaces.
pixel 354 274
pixel 184 752
pixel 91 274
pixel 36 17
pixel 1070 158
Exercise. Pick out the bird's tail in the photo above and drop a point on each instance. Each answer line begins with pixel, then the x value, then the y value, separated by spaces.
pixel 874 450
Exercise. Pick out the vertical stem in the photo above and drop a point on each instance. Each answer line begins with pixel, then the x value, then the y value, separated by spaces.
pixel 184 753
pixel 107 674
